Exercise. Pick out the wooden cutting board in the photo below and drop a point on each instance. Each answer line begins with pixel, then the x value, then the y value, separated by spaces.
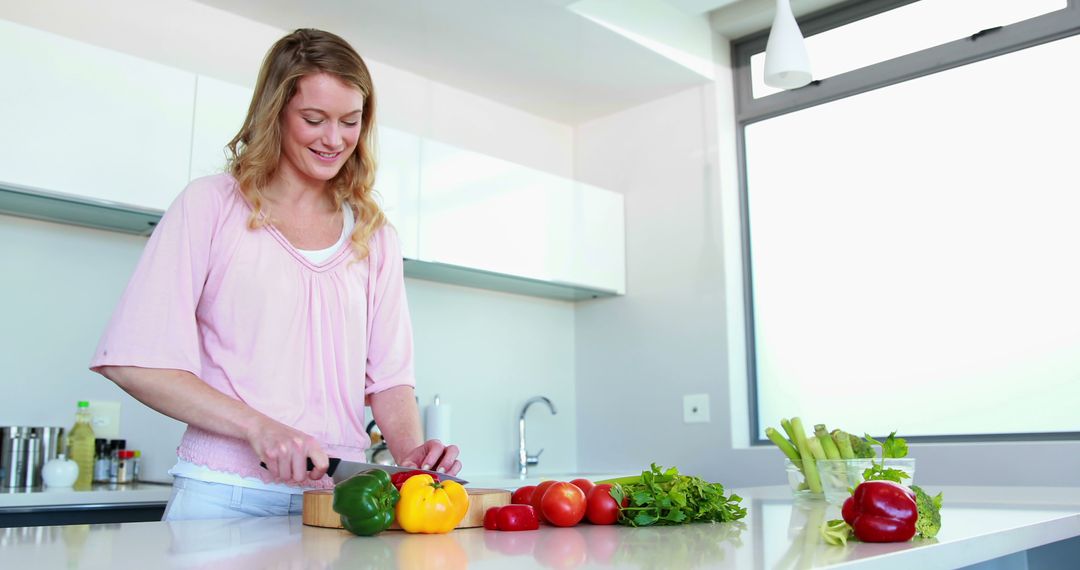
pixel 319 507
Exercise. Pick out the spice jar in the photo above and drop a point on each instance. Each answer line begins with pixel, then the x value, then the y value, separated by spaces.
pixel 125 466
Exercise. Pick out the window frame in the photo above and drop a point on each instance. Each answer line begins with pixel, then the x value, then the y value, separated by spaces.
pixel 980 45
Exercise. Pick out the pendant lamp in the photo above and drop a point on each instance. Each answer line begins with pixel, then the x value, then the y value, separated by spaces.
pixel 787 66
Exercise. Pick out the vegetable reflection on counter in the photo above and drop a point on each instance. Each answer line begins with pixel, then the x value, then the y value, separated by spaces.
pixel 664 497
pixel 431 552
pixel 693 546
pixel 805 547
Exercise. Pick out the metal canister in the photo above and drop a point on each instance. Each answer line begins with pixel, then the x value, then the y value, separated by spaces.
pixel 52 442
pixel 13 444
pixel 33 464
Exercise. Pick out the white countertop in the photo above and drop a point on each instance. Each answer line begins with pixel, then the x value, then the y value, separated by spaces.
pixel 99 494
pixel 979 523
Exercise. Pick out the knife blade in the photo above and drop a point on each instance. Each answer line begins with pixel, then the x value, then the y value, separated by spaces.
pixel 341 469
pixel 346 469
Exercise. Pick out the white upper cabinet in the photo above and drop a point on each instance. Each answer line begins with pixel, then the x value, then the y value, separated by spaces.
pixel 397 184
pixel 86 121
pixel 484 213
pixel 598 252
pixel 220 109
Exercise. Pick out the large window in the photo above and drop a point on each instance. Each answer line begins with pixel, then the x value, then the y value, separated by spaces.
pixel 912 236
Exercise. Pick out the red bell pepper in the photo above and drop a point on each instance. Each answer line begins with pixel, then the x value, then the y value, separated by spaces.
pixel 399 478
pixel 881 511
pixel 511 518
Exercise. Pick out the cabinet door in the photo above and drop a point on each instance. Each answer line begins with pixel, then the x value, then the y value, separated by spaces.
pixel 220 109
pixel 598 256
pixel 87 121
pixel 484 213
pixel 397 184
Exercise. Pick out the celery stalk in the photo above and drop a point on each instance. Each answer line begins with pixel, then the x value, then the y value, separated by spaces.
pixel 786 424
pixel 628 480
pixel 843 443
pixel 805 451
pixel 827 443
pixel 784 446
pixel 815 448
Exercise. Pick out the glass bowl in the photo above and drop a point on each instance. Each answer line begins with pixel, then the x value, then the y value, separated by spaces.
pixel 797 482
pixel 839 476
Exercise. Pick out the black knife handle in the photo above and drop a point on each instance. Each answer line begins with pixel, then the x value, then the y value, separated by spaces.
pixel 329 470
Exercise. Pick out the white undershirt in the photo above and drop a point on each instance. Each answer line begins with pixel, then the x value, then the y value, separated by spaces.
pixel 320 255
pixel 184 468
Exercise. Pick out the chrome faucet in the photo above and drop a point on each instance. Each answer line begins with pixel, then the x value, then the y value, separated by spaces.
pixel 524 459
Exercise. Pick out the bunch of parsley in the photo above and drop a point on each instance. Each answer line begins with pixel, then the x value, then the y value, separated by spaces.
pixel 664 497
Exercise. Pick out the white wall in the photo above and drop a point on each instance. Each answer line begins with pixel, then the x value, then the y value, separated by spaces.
pixel 638 355
pixel 486 353
pixel 679 329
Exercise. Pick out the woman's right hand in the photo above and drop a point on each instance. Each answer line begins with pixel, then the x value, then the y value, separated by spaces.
pixel 285 451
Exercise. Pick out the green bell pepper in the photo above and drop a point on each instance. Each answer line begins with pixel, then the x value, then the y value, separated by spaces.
pixel 366 502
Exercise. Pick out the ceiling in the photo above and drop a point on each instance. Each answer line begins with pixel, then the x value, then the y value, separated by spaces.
pixel 540 56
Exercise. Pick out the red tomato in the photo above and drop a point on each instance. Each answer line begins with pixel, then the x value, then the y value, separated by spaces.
pixel 584 484
pixel 517 517
pixel 563 504
pixel 538 494
pixel 523 496
pixel 491 517
pixel 600 507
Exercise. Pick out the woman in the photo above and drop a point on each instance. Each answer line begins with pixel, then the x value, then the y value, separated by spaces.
pixel 269 304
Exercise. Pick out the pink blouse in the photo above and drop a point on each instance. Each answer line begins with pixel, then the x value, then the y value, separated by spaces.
pixel 247 313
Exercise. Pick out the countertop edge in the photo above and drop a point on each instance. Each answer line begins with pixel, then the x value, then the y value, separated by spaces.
pixel 68 498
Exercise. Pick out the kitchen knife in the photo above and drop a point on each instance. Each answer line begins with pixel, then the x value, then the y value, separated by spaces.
pixel 346 469
pixel 340 470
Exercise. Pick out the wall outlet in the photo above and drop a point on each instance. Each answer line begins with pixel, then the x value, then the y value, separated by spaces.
pixel 696 408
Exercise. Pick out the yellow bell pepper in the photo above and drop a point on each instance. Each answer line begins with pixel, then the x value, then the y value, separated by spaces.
pixel 429 506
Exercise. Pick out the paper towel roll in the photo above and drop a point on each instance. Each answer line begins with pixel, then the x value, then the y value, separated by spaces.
pixel 437 421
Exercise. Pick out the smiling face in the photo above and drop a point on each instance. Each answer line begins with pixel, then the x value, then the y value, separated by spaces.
pixel 320 127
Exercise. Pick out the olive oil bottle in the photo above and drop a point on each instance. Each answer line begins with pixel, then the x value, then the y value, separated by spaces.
pixel 81 446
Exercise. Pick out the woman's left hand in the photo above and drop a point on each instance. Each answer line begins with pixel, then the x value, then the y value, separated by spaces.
pixel 432 455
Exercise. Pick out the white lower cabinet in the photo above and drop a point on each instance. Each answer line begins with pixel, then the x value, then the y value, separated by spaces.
pixel 90 122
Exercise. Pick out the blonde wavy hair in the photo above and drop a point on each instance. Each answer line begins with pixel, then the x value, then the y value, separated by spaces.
pixel 254 153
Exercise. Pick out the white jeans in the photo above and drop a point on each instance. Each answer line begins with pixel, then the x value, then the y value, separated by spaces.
pixel 193 499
